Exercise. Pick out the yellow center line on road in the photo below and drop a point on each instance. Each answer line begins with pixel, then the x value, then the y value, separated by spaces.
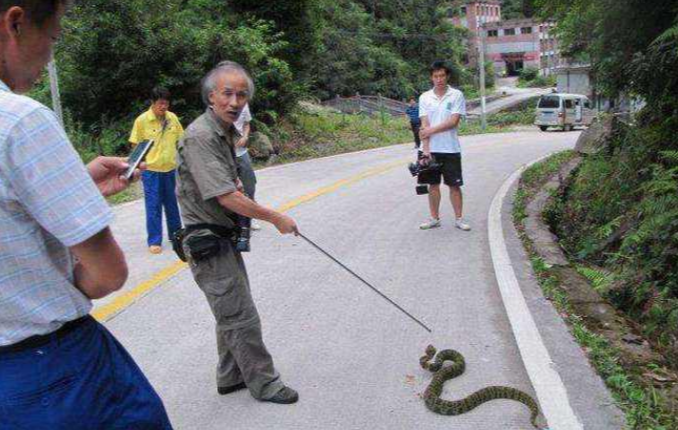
pixel 111 309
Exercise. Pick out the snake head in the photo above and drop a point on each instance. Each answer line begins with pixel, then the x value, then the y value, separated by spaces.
pixel 429 354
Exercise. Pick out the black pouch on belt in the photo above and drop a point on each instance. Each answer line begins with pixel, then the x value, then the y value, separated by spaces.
pixel 178 244
pixel 203 247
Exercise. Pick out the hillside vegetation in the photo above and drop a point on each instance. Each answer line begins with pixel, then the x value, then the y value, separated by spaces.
pixel 620 213
pixel 114 52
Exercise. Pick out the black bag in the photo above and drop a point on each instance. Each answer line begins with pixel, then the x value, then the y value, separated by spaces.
pixel 204 247
pixel 201 247
pixel 178 242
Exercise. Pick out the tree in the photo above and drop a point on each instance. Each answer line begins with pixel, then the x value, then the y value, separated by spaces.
pixel 296 20
pixel 349 60
pixel 622 205
pixel 612 34
pixel 512 9
pixel 420 32
pixel 114 52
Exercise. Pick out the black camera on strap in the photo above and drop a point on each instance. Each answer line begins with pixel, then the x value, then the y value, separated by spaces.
pixel 419 167
pixel 423 165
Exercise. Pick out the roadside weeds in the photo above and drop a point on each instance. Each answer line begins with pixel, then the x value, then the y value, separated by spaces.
pixel 633 372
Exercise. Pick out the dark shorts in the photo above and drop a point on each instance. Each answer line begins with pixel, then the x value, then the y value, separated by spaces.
pixel 450 171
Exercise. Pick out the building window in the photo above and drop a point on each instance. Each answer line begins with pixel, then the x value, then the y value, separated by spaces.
pixel 526 30
pixel 509 32
pixel 492 33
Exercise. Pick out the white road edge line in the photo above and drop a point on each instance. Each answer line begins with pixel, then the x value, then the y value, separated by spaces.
pixel 541 370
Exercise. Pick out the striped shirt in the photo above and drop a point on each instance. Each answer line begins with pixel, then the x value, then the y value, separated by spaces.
pixel 48 202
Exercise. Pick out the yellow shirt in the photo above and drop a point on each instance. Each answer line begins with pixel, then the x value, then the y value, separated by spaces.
pixel 163 154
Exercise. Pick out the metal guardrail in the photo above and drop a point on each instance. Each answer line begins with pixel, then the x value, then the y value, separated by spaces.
pixel 367 104
pixel 377 104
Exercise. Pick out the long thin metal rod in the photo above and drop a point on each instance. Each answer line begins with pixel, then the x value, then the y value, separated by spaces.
pixel 365 282
pixel 481 48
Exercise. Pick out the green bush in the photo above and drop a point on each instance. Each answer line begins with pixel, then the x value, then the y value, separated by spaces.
pixel 531 77
pixel 529 74
pixel 304 135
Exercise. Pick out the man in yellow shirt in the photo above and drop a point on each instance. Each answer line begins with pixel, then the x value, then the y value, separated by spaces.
pixel 163 127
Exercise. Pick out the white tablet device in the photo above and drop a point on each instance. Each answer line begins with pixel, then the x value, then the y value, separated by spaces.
pixel 137 156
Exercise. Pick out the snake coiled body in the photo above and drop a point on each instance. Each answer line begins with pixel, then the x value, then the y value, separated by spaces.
pixel 442 374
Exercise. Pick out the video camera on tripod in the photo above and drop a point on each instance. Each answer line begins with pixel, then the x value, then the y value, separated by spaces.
pixel 422 165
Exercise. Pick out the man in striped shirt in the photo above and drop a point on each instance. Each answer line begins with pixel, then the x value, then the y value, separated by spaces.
pixel 59 368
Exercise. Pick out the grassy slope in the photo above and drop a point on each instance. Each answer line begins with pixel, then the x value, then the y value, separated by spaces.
pixel 632 389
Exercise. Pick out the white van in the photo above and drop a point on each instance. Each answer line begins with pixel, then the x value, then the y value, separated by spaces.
pixel 564 111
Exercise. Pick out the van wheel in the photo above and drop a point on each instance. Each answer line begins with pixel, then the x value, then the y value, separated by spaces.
pixel 543 127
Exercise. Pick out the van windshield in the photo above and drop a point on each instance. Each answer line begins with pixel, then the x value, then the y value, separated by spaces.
pixel 549 102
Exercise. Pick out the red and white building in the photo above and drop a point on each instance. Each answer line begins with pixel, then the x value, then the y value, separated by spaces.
pixel 511 44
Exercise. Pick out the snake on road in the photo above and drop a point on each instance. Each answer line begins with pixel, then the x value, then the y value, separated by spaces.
pixel 441 374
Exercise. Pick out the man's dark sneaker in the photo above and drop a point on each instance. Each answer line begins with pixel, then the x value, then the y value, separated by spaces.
pixel 232 388
pixel 285 396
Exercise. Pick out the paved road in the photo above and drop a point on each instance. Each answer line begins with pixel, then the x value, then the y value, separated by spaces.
pixel 515 97
pixel 354 358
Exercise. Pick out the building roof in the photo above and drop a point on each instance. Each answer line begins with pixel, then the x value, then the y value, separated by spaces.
pixel 492 2
pixel 573 68
pixel 518 22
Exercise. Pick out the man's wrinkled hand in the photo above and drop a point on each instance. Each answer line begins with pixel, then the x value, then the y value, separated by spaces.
pixel 108 173
pixel 286 225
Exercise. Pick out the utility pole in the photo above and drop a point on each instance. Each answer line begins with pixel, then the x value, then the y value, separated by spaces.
pixel 54 87
pixel 547 49
pixel 481 66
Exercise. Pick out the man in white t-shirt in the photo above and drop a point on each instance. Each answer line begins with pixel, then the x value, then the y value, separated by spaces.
pixel 441 109
pixel 245 170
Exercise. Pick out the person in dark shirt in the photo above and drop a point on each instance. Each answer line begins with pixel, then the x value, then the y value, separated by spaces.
pixel 415 123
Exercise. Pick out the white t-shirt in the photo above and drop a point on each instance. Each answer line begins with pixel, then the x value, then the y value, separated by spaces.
pixel 439 110
pixel 245 116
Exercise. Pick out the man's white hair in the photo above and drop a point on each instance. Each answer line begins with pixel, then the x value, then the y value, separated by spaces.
pixel 209 82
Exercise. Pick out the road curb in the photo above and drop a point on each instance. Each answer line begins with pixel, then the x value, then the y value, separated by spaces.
pixel 548 385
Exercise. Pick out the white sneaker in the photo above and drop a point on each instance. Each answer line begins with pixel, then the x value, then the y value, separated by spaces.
pixel 461 225
pixel 255 226
pixel 432 223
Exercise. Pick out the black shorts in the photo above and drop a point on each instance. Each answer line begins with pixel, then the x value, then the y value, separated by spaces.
pixel 450 171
